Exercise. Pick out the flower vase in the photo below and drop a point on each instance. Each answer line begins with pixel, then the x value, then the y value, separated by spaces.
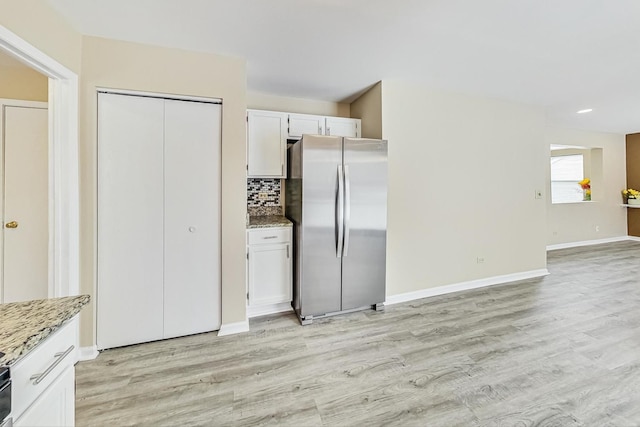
pixel 586 196
pixel 635 202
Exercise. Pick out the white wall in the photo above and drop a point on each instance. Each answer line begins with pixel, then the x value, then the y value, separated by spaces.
pixel 463 172
pixel 576 222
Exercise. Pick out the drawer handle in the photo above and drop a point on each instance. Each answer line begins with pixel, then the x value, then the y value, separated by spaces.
pixel 37 378
pixel 270 237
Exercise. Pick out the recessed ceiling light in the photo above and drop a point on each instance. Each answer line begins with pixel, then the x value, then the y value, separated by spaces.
pixel 586 110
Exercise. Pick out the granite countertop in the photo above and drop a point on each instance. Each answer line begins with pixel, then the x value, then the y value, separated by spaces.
pixel 23 325
pixel 268 221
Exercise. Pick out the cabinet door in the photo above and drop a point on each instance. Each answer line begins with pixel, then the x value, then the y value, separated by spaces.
pixel 130 220
pixel 266 144
pixel 269 274
pixel 338 126
pixel 192 218
pixel 55 406
pixel 305 124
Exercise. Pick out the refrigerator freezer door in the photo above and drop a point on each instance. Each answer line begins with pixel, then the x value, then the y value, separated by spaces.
pixel 320 284
pixel 364 261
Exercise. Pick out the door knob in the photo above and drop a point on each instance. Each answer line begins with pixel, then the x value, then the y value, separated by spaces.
pixel 12 224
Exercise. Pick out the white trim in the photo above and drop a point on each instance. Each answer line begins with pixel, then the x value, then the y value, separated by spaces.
pixel 63 173
pixel 633 238
pixel 588 243
pixel 465 286
pixel 159 95
pixel 233 328
pixel 87 353
pixel 264 310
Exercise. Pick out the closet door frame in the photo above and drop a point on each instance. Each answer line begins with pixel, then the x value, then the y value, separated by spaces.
pixel 219 193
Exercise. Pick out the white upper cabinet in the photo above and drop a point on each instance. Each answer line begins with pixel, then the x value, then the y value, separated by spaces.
pixel 266 144
pixel 268 131
pixel 338 126
pixel 301 124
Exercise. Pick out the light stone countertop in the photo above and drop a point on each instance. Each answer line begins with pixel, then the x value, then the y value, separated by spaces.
pixel 23 325
pixel 268 221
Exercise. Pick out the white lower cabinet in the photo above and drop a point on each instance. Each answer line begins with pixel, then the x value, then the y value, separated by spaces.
pixel 55 406
pixel 43 381
pixel 269 270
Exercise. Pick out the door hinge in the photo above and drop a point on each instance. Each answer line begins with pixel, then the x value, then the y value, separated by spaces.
pixel 247 296
pixel 247 167
pixel 247 255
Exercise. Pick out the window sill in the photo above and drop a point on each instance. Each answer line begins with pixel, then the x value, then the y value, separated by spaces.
pixel 631 206
pixel 573 203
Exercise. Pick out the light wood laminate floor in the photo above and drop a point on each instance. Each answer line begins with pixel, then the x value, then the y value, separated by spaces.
pixel 563 350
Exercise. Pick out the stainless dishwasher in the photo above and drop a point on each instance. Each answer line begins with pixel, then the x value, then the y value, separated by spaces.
pixel 5 398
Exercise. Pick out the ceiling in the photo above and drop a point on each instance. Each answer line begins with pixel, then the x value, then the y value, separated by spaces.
pixel 564 55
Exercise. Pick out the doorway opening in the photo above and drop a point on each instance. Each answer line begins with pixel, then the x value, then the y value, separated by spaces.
pixel 62 158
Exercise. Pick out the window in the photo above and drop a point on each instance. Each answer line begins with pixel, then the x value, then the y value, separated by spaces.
pixel 566 172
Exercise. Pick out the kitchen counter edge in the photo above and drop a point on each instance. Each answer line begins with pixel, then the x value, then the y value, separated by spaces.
pixel 26 324
pixel 268 221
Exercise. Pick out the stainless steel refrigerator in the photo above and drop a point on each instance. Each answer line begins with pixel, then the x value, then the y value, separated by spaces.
pixel 336 197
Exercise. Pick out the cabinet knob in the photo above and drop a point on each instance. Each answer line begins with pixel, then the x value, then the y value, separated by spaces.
pixel 192 229
pixel 12 224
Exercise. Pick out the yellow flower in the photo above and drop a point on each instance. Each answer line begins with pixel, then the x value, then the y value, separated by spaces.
pixel 584 182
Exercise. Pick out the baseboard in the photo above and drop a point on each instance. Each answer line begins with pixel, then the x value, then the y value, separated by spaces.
pixel 633 238
pixel 590 242
pixel 87 353
pixel 233 328
pixel 269 309
pixel 465 286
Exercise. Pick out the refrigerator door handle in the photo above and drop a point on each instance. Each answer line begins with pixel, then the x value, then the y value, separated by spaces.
pixel 347 210
pixel 339 213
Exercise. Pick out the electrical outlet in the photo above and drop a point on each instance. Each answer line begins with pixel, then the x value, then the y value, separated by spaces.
pixel 263 196
pixel 538 194
pixel 480 260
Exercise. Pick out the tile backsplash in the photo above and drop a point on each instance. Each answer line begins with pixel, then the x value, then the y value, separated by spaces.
pixel 270 189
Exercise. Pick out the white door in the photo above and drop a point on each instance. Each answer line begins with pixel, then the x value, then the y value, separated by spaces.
pixel 26 204
pixel 130 220
pixel 305 124
pixel 339 126
pixel 192 217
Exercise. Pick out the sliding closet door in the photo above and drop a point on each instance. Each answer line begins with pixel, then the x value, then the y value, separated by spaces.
pixel 130 220
pixel 192 218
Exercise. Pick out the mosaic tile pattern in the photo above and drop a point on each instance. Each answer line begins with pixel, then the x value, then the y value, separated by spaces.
pixel 270 187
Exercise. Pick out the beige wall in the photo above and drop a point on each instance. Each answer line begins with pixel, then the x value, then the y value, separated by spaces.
pixel 37 23
pixel 121 65
pixel 368 107
pixel 261 101
pixel 463 172
pixel 23 83
pixel 576 222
